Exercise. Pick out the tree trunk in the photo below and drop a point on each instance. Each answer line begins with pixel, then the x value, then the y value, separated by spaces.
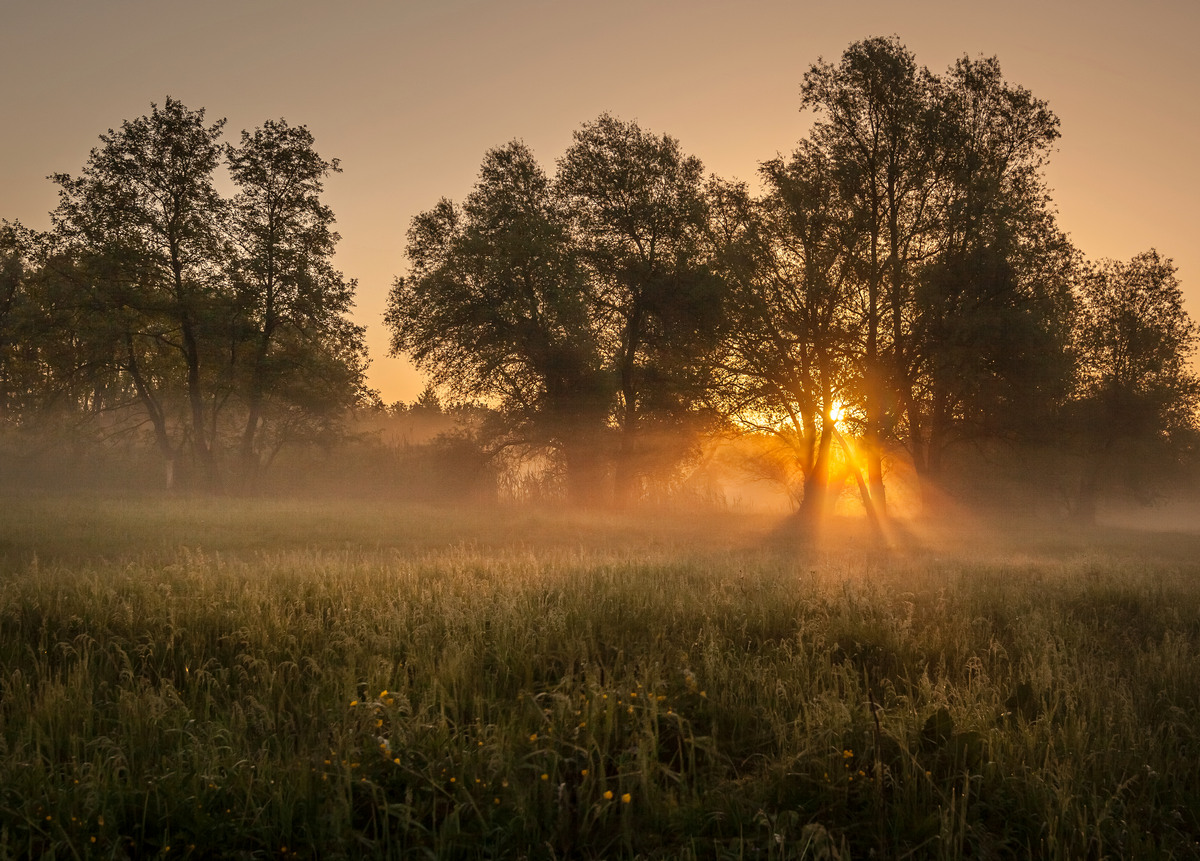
pixel 157 420
pixel 200 444
pixel 816 486
pixel 868 500
pixel 873 494
pixel 250 461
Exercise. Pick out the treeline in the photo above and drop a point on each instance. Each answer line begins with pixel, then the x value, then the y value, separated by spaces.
pixel 157 309
pixel 896 297
pixel 898 292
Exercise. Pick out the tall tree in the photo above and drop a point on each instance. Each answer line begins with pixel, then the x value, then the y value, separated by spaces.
pixel 1135 392
pixel 292 304
pixel 146 208
pixel 793 323
pixel 638 208
pixel 987 338
pixel 497 307
pixel 874 123
pixel 963 273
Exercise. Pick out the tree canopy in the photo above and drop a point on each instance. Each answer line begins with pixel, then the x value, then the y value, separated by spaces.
pixel 901 273
pixel 893 301
pixel 216 322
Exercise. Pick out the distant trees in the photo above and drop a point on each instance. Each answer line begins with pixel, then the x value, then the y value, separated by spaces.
pixel 18 313
pixel 208 314
pixel 1135 398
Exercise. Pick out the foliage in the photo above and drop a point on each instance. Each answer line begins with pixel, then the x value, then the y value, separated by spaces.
pixel 901 272
pixel 572 304
pixel 1136 398
pixel 496 307
pixel 793 333
pixel 962 275
pixel 306 361
pixel 164 304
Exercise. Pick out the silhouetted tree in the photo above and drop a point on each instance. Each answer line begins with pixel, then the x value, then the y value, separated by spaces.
pixel 17 366
pixel 496 307
pixel 145 210
pixel 986 341
pixel 1136 397
pixel 874 123
pixel 794 326
pixel 302 360
pixel 963 274
pixel 109 363
pixel 638 209
pixel 222 320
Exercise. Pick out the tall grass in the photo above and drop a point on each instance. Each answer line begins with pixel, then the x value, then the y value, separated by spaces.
pixel 270 679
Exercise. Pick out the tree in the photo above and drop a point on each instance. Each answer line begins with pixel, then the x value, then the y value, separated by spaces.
pixel 496 307
pixel 1135 395
pixel 874 125
pixel 17 367
pixel 793 328
pixel 638 210
pixel 223 320
pixel 987 340
pixel 962 271
pixel 579 302
pixel 146 217
pixel 297 350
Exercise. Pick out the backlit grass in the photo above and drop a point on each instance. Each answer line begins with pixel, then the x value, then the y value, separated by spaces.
pixel 276 679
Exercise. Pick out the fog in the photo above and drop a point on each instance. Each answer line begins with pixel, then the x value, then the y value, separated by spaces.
pixel 742 488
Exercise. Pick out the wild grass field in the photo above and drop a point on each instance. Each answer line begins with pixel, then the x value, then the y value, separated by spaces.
pixel 265 679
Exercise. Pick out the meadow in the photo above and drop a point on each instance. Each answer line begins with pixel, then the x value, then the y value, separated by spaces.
pixel 266 679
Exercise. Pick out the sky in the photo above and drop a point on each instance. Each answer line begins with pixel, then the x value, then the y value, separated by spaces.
pixel 410 94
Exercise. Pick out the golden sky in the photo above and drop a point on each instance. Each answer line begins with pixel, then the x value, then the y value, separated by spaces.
pixel 409 94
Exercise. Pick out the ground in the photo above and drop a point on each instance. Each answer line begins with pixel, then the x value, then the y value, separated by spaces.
pixel 269 678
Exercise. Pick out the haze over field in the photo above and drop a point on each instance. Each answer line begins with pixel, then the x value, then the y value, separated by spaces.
pixel 410 95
